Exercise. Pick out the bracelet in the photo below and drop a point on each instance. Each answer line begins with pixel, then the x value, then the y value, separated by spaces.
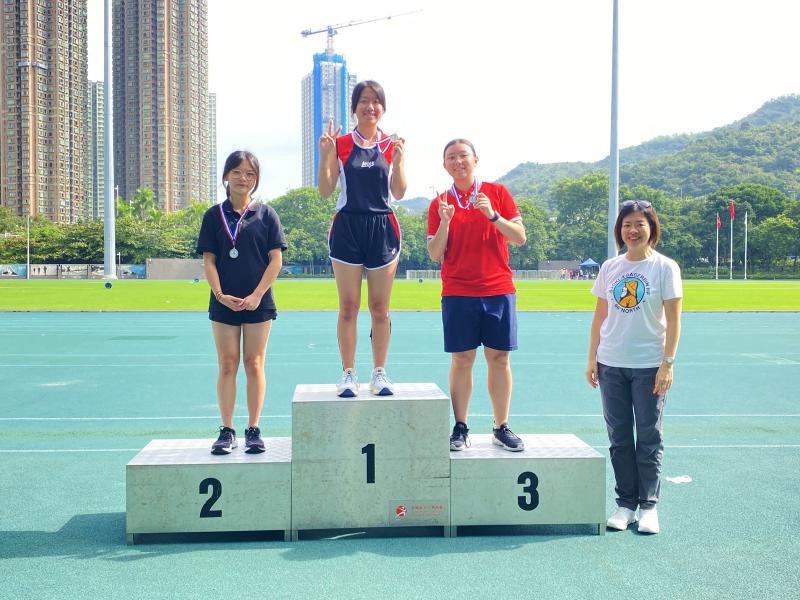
pixel 495 218
pixel 217 294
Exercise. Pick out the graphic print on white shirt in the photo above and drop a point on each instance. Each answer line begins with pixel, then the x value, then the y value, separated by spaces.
pixel 629 291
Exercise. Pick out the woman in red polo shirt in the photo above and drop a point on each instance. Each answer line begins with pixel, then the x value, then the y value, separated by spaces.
pixel 469 228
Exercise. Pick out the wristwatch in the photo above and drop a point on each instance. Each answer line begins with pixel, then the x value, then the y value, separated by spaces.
pixel 669 360
pixel 495 218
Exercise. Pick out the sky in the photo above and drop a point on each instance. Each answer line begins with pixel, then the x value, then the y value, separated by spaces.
pixel 524 81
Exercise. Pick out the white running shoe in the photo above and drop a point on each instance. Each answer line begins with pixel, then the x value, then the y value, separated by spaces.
pixel 348 386
pixel 648 520
pixel 380 384
pixel 621 518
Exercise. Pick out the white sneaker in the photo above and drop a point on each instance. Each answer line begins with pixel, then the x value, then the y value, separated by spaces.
pixel 348 386
pixel 648 520
pixel 380 384
pixel 621 518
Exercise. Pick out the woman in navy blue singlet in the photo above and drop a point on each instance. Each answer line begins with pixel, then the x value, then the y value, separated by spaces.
pixel 368 166
pixel 242 243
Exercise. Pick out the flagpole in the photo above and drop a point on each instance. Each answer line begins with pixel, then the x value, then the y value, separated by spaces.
pixel 745 244
pixel 716 261
pixel 731 269
pixel 613 157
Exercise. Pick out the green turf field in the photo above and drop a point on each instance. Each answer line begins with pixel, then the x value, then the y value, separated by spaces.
pixel 316 294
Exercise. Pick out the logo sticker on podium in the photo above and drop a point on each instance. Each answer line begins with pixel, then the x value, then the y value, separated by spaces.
pixel 417 513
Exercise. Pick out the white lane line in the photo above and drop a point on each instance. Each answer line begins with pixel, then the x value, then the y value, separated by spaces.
pixel 478 415
pixel 720 446
pixel 216 417
pixel 62 450
pixel 668 447
pixel 276 363
pixel 667 415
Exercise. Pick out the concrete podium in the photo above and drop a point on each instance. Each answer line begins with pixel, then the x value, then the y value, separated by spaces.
pixel 178 486
pixel 370 461
pixel 556 480
pixel 364 462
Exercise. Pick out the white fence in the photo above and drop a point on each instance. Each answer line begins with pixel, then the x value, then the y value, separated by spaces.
pixel 518 275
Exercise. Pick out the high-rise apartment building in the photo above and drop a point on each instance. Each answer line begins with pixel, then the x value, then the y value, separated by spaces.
pixel 213 183
pixel 94 171
pixel 43 83
pixel 326 95
pixel 160 50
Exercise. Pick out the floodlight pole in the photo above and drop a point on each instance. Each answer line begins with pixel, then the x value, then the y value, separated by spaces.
pixel 613 163
pixel 28 236
pixel 109 223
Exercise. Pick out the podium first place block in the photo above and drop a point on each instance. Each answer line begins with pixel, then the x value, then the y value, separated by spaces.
pixel 178 486
pixel 556 480
pixel 370 461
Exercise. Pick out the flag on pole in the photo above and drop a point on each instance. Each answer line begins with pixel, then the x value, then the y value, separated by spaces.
pixel 733 211
pixel 719 223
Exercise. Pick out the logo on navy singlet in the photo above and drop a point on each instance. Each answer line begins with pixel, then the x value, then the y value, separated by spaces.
pixel 367 164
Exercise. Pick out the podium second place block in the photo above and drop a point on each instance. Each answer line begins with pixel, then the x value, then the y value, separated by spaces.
pixel 178 486
pixel 370 461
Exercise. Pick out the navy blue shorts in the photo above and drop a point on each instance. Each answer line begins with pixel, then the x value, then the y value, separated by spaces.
pixel 236 318
pixel 368 240
pixel 471 321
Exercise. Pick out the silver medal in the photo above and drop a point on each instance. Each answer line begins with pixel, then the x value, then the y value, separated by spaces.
pixel 233 253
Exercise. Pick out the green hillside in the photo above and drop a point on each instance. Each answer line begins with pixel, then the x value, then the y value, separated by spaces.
pixel 763 147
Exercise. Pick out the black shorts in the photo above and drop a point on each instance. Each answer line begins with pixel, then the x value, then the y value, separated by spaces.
pixel 368 240
pixel 237 318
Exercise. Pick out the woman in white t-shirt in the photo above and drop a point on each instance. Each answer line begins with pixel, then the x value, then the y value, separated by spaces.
pixel 634 336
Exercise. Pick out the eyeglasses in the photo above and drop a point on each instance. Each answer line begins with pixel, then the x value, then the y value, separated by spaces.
pixel 238 174
pixel 637 203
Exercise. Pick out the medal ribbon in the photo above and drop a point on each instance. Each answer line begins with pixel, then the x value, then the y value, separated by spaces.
pixel 382 142
pixel 476 186
pixel 232 234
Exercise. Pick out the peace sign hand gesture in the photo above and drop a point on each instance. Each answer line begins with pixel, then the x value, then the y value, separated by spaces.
pixel 327 142
pixel 446 210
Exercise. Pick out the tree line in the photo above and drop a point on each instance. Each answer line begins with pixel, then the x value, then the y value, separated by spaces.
pixel 573 229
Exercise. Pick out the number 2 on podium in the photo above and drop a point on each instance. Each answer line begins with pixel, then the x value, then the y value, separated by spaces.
pixel 216 492
pixel 369 450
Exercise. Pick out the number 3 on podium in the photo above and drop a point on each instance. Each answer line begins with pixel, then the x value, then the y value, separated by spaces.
pixel 531 500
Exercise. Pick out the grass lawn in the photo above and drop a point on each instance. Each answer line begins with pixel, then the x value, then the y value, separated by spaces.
pixel 316 294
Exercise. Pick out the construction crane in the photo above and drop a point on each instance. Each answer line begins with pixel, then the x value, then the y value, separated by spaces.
pixel 332 30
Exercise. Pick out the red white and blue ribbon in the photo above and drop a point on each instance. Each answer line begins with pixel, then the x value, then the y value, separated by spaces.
pixel 473 196
pixel 382 142
pixel 232 234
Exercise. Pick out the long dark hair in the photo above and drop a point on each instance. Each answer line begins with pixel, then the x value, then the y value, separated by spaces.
pixel 236 158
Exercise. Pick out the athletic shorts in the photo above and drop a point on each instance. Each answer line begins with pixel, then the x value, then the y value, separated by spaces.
pixel 368 240
pixel 233 317
pixel 469 322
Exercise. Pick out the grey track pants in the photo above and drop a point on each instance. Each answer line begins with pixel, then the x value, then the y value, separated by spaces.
pixel 629 405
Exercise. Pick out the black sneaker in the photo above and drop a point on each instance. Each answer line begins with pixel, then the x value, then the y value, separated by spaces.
pixel 507 439
pixel 252 440
pixel 459 439
pixel 226 441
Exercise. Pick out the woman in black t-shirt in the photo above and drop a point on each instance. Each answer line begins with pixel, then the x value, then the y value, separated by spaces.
pixel 242 243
